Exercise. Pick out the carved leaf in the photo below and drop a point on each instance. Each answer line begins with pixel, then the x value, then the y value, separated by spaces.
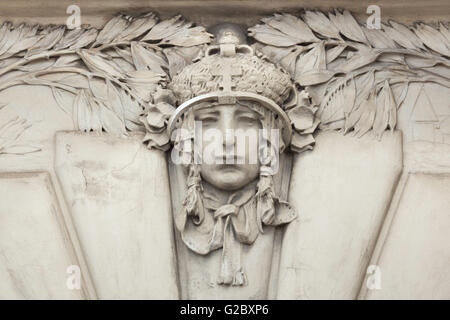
pixel 112 29
pixel 288 62
pixel 144 79
pixel 401 38
pixel 359 60
pixel 69 38
pixel 349 96
pixel 338 104
pixel 335 52
pixel 271 36
pixel 66 60
pixel 12 130
pixel 24 44
pixel 132 111
pixel 98 88
pixel 402 95
pixel 314 77
pixel 176 61
pixel 38 65
pixel 96 122
pixel 396 58
pixel 392 107
pixel 282 30
pixel 188 36
pixel 19 149
pixel 318 73
pixel 353 117
pixel 145 59
pixel 276 53
pixel 165 28
pixel 62 98
pixel 391 74
pixel 306 61
pixel 110 121
pixel 364 85
pixel 321 24
pixel 114 101
pixel 134 126
pixel 10 37
pixel 379 39
pixel 444 31
pixel 82 111
pixel 384 103
pixel 72 79
pixel 4 30
pixel 85 39
pixel 291 26
pixel 365 121
pixel 333 110
pixel 178 58
pixel 321 61
pixel 47 42
pixel 433 39
pixel 407 33
pixel 143 92
pixel 98 64
pixel 347 25
pixel 124 64
pixel 138 26
pixel 125 54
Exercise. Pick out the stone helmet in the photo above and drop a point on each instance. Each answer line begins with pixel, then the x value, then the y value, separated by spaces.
pixel 231 72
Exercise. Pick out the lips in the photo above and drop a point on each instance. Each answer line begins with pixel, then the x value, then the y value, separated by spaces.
pixel 235 159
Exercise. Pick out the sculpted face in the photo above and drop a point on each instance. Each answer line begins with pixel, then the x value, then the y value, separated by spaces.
pixel 229 145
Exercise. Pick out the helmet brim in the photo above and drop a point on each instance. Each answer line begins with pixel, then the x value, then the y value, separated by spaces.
pixel 286 129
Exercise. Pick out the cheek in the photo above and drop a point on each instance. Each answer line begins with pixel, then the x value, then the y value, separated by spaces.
pixel 246 139
pixel 252 171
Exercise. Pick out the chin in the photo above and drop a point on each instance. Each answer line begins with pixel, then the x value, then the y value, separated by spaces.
pixel 230 179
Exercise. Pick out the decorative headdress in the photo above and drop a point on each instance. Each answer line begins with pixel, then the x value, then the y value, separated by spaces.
pixel 230 72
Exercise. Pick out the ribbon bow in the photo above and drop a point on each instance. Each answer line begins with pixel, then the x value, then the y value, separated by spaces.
pixel 229 226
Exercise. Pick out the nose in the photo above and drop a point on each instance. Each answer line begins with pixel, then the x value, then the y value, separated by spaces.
pixel 227 127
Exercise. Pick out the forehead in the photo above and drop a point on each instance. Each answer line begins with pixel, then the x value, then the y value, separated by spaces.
pixel 237 108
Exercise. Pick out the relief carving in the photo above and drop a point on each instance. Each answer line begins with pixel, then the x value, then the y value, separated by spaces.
pixel 295 74
pixel 120 73
pixel 230 88
pixel 10 133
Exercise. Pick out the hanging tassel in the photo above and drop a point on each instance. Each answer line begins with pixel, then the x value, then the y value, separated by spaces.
pixel 192 203
pixel 265 205
pixel 240 278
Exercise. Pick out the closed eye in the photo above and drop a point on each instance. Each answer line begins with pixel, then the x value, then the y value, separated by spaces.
pixel 207 118
pixel 208 115
pixel 245 114
pixel 247 119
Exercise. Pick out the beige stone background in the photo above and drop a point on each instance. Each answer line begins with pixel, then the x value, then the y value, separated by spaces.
pixel 208 12
pixel 103 203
